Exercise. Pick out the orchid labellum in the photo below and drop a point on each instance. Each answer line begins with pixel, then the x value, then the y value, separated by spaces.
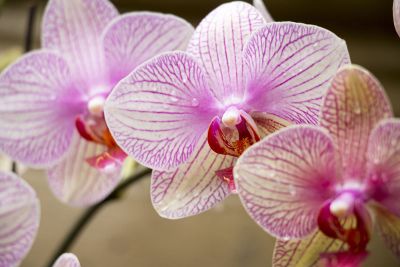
pixel 51 100
pixel 189 115
pixel 328 184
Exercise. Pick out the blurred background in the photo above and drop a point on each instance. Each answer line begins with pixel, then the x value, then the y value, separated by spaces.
pixel 128 232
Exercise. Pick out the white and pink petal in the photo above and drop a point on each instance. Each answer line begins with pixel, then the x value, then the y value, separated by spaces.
pixel 284 179
pixel 383 158
pixel 19 218
pixel 306 251
pixel 218 43
pixel 133 38
pixel 76 182
pixel 67 260
pixel 159 112
pixel 388 226
pixel 38 106
pixel 194 187
pixel 289 66
pixel 73 28
pixel 353 106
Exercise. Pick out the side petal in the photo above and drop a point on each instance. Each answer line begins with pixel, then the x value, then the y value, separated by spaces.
pixel 38 109
pixel 19 218
pixel 304 252
pixel 194 187
pixel 388 226
pixel 73 28
pixel 67 260
pixel 396 15
pixel 218 44
pixel 384 164
pixel 289 67
pixel 284 179
pixel 353 105
pixel 134 38
pixel 268 123
pixel 159 112
pixel 260 6
pixel 75 182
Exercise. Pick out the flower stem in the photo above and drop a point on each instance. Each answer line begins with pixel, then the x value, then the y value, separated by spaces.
pixel 30 27
pixel 90 212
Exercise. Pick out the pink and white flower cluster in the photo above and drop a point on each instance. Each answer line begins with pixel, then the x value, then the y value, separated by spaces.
pixel 271 111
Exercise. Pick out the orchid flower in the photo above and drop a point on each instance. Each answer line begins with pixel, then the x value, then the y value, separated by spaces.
pixel 396 15
pixel 19 219
pixel 328 183
pixel 189 115
pixel 51 100
pixel 67 260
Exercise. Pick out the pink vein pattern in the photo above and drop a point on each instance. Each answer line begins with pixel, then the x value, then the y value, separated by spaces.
pixel 288 68
pixel 19 219
pixel 37 111
pixel 75 182
pixel 134 38
pixel 194 187
pixel 163 117
pixel 349 118
pixel 218 43
pixel 282 180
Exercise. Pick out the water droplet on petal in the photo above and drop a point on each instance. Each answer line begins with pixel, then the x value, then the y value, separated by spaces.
pixel 174 99
pixel 316 44
pixel 195 102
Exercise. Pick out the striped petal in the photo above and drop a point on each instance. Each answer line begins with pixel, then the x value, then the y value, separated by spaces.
pixel 38 107
pixel 305 252
pixel 388 226
pixel 194 187
pixel 267 123
pixel 19 218
pixel 354 104
pixel 159 112
pixel 73 28
pixel 396 15
pixel 134 38
pixel 67 260
pixel 259 5
pixel 75 182
pixel 384 164
pixel 284 179
pixel 289 67
pixel 218 44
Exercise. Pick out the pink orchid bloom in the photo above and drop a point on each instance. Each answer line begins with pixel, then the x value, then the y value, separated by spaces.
pixel 396 15
pixel 67 260
pixel 51 100
pixel 189 115
pixel 334 179
pixel 19 219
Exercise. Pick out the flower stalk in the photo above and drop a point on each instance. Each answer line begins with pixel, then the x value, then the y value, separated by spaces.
pixel 87 216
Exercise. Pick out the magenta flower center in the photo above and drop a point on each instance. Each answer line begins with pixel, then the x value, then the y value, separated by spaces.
pixel 232 135
pixel 92 127
pixel 346 218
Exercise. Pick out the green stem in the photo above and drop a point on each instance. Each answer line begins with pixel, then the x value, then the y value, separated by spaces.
pixel 91 212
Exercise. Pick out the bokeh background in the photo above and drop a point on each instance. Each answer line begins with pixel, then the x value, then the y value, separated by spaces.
pixel 128 232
